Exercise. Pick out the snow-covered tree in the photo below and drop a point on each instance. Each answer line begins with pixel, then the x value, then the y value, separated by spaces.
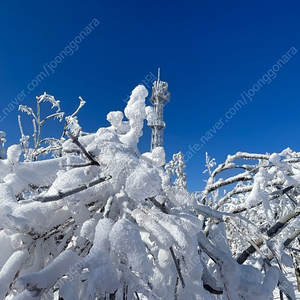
pixel 102 221
pixel 176 167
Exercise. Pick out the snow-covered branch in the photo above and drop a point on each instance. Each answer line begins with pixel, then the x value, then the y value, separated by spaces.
pixel 100 220
pixel 65 193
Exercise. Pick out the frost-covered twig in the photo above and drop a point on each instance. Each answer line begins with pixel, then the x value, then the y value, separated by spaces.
pixel 241 208
pixel 228 268
pixel 283 222
pixel 293 249
pixel 162 206
pixel 177 267
pixel 275 229
pixel 69 192
pixel 253 243
pixel 23 138
pixel 227 165
pixel 238 155
pixel 55 115
pixel 220 183
pixel 32 154
pixel 289 240
pixel 79 145
pixel 78 165
pixel 10 270
pixel 210 282
pixel 81 104
pixel 217 215
pixel 47 277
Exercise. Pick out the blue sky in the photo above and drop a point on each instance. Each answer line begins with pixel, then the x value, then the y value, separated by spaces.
pixel 209 52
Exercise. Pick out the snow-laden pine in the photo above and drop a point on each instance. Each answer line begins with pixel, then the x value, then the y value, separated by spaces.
pixel 100 220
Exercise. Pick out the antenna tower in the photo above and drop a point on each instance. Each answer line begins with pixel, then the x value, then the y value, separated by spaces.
pixel 160 97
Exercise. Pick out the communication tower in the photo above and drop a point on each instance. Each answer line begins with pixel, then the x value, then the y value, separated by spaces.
pixel 160 97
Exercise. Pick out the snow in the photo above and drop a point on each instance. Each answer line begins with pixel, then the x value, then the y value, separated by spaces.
pixel 49 98
pixel 87 230
pixel 143 182
pixel 9 270
pixel 115 118
pixel 13 153
pixel 70 179
pixel 162 236
pixel 136 232
pixel 258 191
pixel 102 274
pixel 39 173
pixel 157 157
pixel 47 277
pixel 34 216
pixel 135 112
pixel 72 124
pixel 125 239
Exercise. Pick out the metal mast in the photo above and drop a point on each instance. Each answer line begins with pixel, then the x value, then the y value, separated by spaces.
pixel 160 97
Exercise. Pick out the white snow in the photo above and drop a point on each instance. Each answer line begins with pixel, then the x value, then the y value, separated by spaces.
pixel 102 273
pixel 143 182
pixel 10 269
pixel 13 153
pixel 47 277
pixel 137 232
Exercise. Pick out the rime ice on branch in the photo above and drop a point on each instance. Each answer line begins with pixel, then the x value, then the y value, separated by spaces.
pixel 102 221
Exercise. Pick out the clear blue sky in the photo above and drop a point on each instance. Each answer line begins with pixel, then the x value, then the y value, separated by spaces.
pixel 208 51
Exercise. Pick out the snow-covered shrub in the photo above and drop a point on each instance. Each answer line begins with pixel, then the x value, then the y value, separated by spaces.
pixel 265 199
pixel 102 221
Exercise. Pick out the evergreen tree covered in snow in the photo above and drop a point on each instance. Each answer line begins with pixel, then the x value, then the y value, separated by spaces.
pixel 100 220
